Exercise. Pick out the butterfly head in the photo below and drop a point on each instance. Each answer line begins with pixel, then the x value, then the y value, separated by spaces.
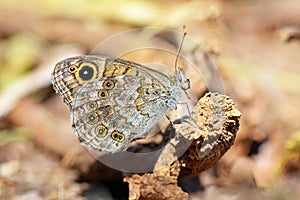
pixel 182 80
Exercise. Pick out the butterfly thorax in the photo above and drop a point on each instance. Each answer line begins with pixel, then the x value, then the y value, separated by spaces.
pixel 179 84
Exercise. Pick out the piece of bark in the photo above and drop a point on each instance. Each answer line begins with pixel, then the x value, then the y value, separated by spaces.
pixel 216 122
pixel 162 184
pixel 203 138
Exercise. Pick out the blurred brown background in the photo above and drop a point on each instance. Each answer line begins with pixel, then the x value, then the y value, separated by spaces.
pixel 254 43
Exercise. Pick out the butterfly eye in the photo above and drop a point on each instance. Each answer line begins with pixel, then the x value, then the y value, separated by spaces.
pixel 186 84
pixel 101 130
pixel 72 69
pixel 119 137
pixel 108 84
pixel 102 94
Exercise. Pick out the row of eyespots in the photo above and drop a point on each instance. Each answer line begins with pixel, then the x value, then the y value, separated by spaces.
pixel 102 94
pixel 101 130
pixel 87 71
pixel 107 85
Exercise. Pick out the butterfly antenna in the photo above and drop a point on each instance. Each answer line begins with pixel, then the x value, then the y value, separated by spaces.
pixel 180 47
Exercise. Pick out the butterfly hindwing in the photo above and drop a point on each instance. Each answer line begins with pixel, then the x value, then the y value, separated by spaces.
pixel 110 112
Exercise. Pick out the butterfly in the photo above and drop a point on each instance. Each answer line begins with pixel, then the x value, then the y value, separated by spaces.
pixel 115 101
